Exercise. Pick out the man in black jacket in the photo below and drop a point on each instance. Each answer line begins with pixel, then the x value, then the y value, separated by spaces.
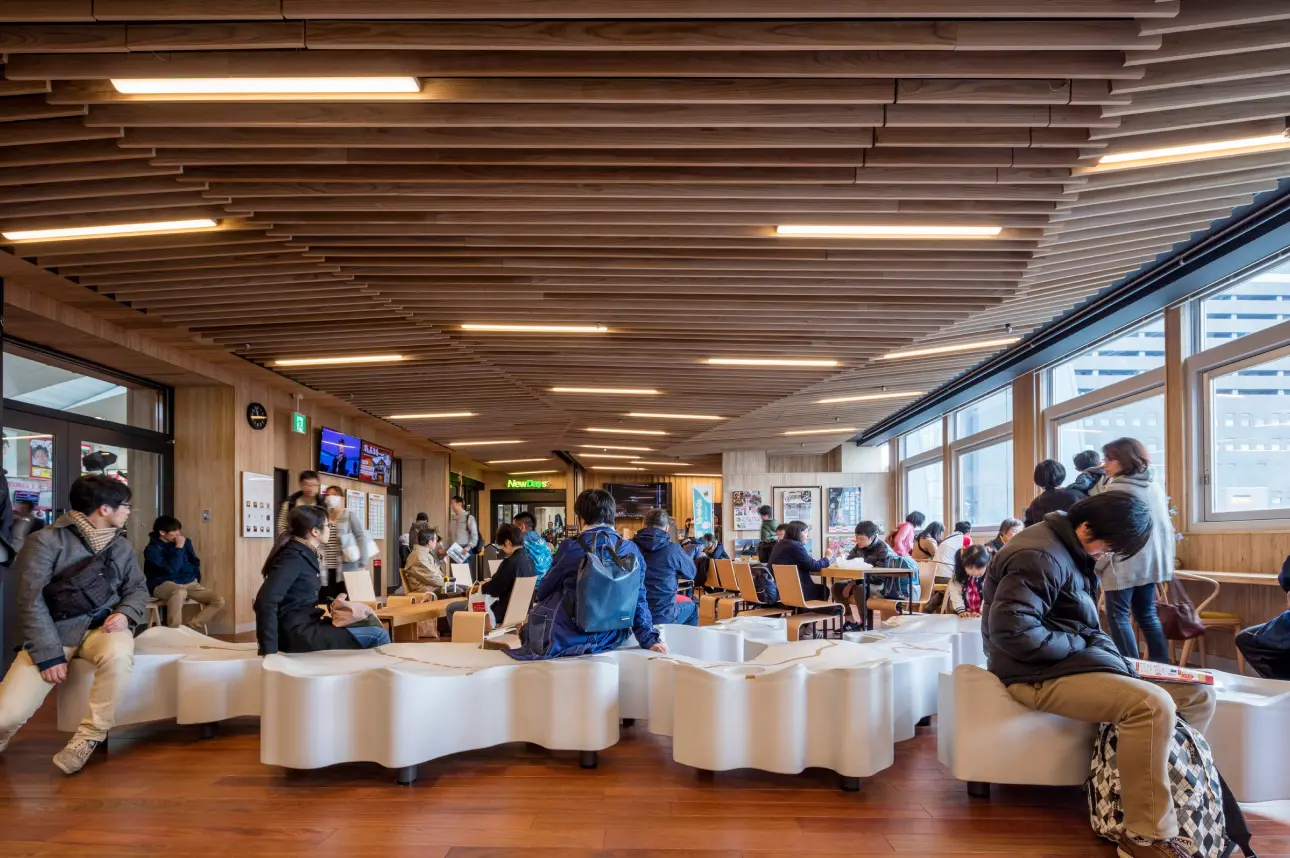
pixel 1042 639
pixel 870 548
pixel 1088 463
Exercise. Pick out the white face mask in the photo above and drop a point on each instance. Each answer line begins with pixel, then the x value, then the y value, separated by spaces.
pixel 334 501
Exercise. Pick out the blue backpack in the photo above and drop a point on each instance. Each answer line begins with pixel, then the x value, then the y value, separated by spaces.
pixel 900 589
pixel 608 587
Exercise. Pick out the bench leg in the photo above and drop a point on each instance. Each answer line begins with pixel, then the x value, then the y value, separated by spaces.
pixel 588 759
pixel 210 730
pixel 849 784
pixel 977 789
pixel 407 775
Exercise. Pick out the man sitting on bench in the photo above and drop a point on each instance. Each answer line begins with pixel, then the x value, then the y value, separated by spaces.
pixel 174 575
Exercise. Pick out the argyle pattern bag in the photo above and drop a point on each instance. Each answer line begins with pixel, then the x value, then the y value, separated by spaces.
pixel 1198 796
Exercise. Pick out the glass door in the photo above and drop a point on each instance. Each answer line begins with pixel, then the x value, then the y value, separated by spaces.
pixel 31 462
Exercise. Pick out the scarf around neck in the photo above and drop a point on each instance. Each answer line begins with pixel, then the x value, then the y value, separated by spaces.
pixel 98 537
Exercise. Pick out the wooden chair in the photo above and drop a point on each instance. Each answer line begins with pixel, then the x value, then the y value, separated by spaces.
pixel 791 596
pixel 748 596
pixel 720 600
pixel 359 587
pixel 1217 620
pixel 461 575
pixel 926 586
pixel 472 630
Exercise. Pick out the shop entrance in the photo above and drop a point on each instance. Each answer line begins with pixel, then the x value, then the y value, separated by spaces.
pixel 547 506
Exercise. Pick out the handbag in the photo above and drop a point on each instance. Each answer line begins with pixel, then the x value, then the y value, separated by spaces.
pixel 1178 615
pixel 345 614
pixel 348 544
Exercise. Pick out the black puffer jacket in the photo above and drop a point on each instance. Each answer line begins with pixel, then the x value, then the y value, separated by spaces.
pixel 1051 500
pixel 1086 480
pixel 1039 614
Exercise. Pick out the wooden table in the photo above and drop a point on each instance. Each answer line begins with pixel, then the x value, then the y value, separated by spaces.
pixel 1257 578
pixel 405 616
pixel 862 575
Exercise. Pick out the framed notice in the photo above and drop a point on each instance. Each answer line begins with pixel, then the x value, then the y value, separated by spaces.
pixel 801 503
pixel 376 515
pixel 257 505
pixel 745 505
pixel 356 503
pixel 844 509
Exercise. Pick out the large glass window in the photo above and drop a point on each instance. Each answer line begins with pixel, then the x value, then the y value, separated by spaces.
pixel 1140 350
pixel 925 491
pixel 984 414
pixel 1249 439
pixel 985 485
pixel 924 438
pixel 1250 306
pixel 46 381
pixel 1143 419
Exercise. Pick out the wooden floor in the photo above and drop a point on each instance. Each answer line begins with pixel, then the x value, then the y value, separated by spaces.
pixel 160 787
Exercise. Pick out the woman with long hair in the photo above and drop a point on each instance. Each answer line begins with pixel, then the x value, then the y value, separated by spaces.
pixel 287 617
pixel 926 541
pixel 791 551
pixel 1130 582
pixel 966 585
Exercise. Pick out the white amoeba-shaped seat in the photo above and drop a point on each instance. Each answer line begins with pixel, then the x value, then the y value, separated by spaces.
pixel 1249 738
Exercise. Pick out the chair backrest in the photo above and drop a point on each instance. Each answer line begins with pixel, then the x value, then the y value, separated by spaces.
pixel 517 609
pixel 461 574
pixel 493 566
pixel 726 575
pixel 927 580
pixel 790 586
pixel 747 586
pixel 358 586
pixel 1200 579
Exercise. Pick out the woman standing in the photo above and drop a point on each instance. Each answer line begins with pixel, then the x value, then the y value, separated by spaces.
pixel 1130 583
pixel 346 546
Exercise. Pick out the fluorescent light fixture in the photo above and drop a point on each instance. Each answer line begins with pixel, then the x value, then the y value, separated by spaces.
pixel 327 361
pixel 265 85
pixel 627 431
pixel 976 345
pixel 431 416
pixel 614 468
pixel 1217 147
pixel 611 447
pixel 538 329
pixel 605 456
pixel 636 391
pixel 703 475
pixel 530 473
pixel 666 464
pixel 481 443
pixel 911 231
pixel 832 431
pixel 654 416
pixel 517 461
pixel 871 397
pixel 770 362
pixel 115 229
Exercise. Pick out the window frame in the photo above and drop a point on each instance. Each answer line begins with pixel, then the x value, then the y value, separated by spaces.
pixel 1110 392
pixel 1199 370
pixel 971 444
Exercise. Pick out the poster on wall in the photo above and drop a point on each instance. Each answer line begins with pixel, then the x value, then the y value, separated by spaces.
pixel 42 458
pixel 376 515
pixel 257 505
pixel 746 504
pixel 838 547
pixel 844 509
pixel 375 463
pixel 797 505
pixel 356 503
pixel 703 517
pixel 801 503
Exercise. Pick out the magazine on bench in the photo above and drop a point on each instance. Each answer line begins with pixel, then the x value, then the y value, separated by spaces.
pixel 1168 673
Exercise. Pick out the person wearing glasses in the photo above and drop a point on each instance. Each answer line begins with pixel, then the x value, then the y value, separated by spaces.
pixel 80 594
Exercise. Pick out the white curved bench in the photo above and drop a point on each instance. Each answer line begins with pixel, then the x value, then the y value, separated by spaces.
pixel 405 704
pixel 1248 736
pixel 967 645
pixel 178 674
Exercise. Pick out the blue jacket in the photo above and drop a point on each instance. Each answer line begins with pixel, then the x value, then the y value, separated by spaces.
pixel 163 562
pixel 539 551
pixel 551 633
pixel 665 561
pixel 719 552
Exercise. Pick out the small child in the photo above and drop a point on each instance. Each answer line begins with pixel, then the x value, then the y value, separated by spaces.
pixel 1267 647
pixel 966 586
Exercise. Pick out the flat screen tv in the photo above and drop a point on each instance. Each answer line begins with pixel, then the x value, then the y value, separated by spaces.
pixel 375 464
pixel 636 499
pixel 339 454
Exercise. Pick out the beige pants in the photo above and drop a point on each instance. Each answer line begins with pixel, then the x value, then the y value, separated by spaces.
pixel 23 689
pixel 1144 713
pixel 174 595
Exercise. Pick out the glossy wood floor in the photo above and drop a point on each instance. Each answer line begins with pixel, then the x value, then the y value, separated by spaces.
pixel 160 787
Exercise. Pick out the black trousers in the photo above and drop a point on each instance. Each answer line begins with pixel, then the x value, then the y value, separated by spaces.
pixel 1267 661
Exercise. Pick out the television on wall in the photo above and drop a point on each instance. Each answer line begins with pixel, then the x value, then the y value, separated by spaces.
pixel 375 464
pixel 339 454
pixel 636 499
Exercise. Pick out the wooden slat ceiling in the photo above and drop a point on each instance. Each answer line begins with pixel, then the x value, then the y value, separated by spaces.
pixel 625 162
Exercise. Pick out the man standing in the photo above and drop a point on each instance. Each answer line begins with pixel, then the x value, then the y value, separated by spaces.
pixel 464 529
pixel 1088 463
pixel 25 520
pixel 538 549
pixel 174 574
pixel 1042 637
pixel 310 486
pixel 62 621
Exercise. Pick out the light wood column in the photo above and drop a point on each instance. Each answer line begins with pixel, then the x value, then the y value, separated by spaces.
pixel 1177 420
pixel 1028 447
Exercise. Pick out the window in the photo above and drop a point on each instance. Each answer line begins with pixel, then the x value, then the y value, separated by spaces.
pixel 1127 355
pixel 46 381
pixel 924 438
pixel 984 414
pixel 1251 305
pixel 1142 418
pixel 1249 465
pixel 925 491
pixel 985 485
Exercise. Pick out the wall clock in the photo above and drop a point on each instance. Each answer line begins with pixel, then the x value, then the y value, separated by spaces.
pixel 257 415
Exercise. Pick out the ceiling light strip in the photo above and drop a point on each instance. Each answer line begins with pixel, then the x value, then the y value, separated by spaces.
pixel 870 397
pixel 887 231
pixel 265 85
pixel 110 230
pixel 329 361
pixel 976 345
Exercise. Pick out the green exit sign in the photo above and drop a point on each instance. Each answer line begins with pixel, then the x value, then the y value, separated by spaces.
pixel 527 484
pixel 299 423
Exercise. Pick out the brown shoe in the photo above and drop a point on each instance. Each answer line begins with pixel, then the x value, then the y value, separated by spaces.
pixel 1132 847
